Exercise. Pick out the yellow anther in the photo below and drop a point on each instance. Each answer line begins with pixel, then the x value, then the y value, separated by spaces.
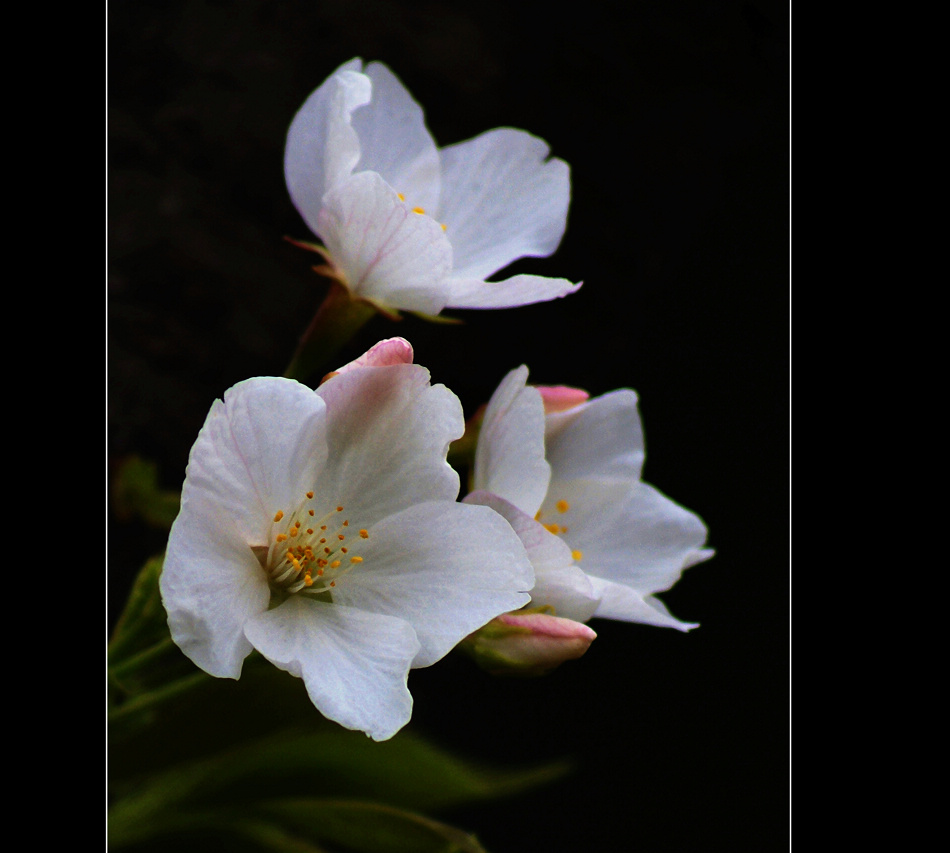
pixel 364 534
pixel 296 563
pixel 309 531
pixel 401 196
pixel 294 531
pixel 343 549
pixel 356 559
pixel 279 515
pixel 418 210
pixel 332 583
pixel 339 509
pixel 309 512
pixel 281 537
pixel 340 536
pixel 553 528
pixel 335 564
pixel 442 226
pixel 308 581
pixel 577 556
pixel 563 506
pixel 309 494
pixel 346 523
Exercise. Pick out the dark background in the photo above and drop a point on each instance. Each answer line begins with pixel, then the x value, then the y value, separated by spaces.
pixel 674 119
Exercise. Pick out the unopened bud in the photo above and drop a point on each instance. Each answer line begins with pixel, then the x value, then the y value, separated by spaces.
pixel 527 643
pixel 559 398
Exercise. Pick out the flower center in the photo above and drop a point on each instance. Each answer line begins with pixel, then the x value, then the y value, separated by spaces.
pixel 309 554
pixel 562 506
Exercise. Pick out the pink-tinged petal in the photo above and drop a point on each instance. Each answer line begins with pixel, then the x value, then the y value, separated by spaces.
pixel 627 605
pixel 602 438
pixel 510 293
pixel 385 252
pixel 322 147
pixel 395 142
pixel 509 458
pixel 384 354
pixel 560 398
pixel 502 199
pixel 630 534
pixel 559 582
pixel 445 568
pixel 388 436
pixel 355 665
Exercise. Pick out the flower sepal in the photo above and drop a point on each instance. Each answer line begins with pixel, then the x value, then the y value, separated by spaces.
pixel 527 643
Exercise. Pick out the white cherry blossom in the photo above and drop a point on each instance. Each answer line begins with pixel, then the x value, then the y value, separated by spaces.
pixel 322 529
pixel 566 475
pixel 407 225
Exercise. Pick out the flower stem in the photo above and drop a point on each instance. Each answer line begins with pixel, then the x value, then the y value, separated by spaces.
pixel 338 318
pixel 146 701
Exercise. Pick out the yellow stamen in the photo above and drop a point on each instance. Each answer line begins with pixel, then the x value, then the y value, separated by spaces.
pixel 356 559
pixel 401 196
pixel 364 534
pixel 577 556
pixel 563 506
pixel 442 226
pixel 281 537
pixel 279 515
pixel 335 564
pixel 418 210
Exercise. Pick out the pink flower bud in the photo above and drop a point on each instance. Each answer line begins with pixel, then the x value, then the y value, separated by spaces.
pixel 558 398
pixel 385 353
pixel 526 643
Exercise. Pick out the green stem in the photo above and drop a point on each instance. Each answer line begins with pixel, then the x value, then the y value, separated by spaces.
pixel 147 701
pixel 145 656
pixel 338 318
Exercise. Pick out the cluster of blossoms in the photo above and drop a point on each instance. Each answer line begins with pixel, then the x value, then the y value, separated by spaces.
pixel 322 527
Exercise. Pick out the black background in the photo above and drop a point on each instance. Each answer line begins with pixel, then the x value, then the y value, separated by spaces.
pixel 674 119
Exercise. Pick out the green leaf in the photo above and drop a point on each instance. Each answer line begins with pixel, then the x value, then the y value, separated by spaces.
pixel 135 492
pixel 143 621
pixel 370 827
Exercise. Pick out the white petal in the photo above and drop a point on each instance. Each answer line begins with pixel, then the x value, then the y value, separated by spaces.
pixel 395 142
pixel 514 291
pixel 627 605
pixel 387 253
pixel 446 568
pixel 355 665
pixel 322 148
pixel 509 457
pixel 631 534
pixel 211 584
pixel 602 438
pixel 559 582
pixel 502 199
pixel 258 452
pixel 388 434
